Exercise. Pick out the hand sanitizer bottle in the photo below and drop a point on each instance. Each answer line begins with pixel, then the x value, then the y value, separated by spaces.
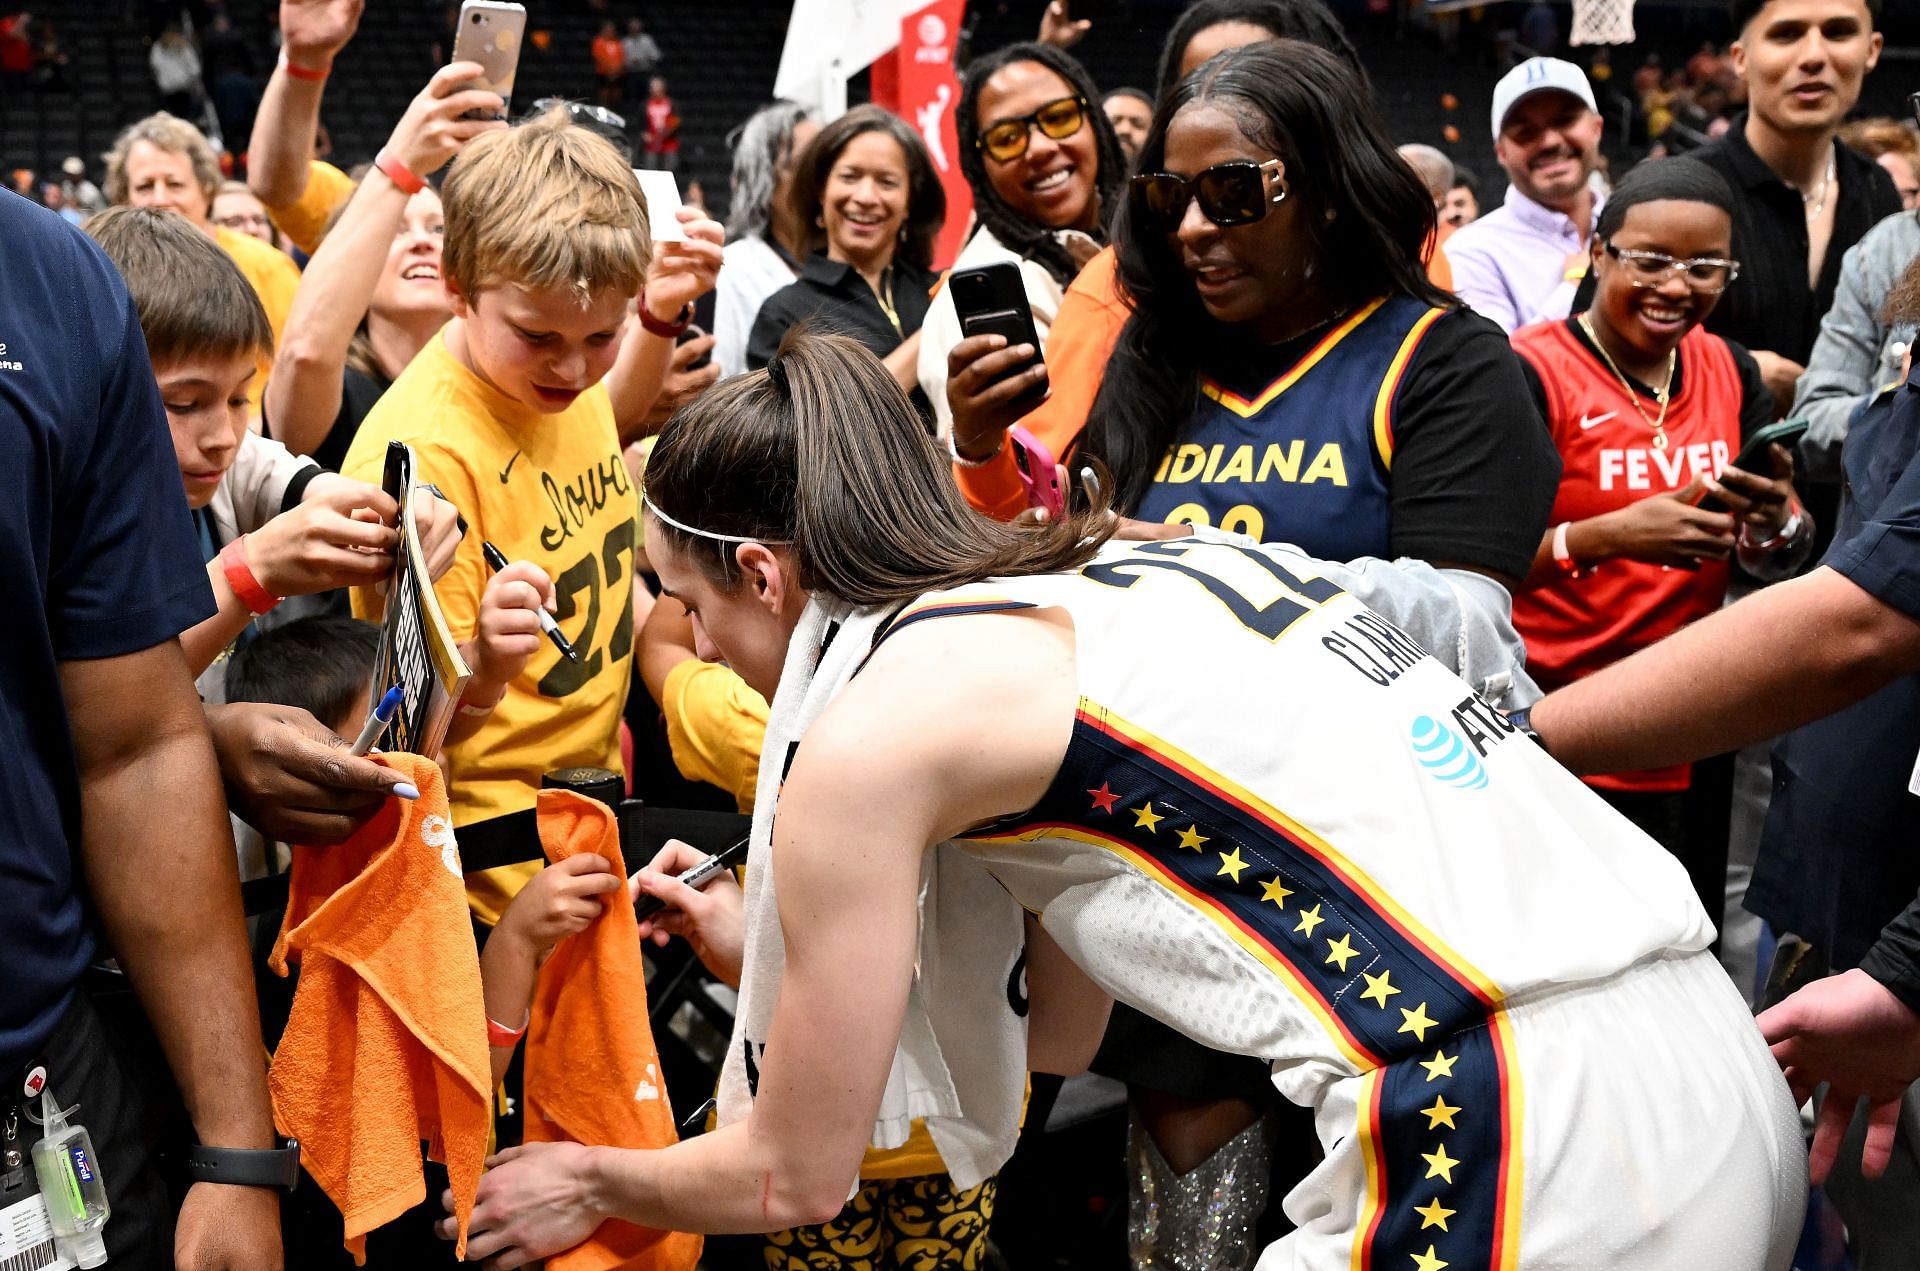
pixel 69 1177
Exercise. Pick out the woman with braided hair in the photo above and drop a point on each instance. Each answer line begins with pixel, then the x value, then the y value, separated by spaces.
pixel 1047 172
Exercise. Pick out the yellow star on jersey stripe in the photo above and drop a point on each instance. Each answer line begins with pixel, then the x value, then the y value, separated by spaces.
pixel 1441 1113
pixel 1439 1164
pixel 1146 818
pixel 1309 919
pixel 1191 837
pixel 1342 951
pixel 1272 890
pixel 1429 1262
pixel 1434 1214
pixel 1441 1065
pixel 1379 988
pixel 1416 1021
pixel 1232 863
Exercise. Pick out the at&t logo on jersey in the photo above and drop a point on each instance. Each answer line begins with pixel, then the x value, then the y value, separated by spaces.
pixel 1446 758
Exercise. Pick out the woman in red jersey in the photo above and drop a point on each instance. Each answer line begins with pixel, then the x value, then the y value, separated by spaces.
pixel 1648 411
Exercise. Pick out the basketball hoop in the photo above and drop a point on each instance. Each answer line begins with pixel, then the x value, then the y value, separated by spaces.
pixel 1602 22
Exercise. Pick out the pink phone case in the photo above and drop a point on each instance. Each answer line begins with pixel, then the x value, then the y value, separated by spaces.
pixel 1039 472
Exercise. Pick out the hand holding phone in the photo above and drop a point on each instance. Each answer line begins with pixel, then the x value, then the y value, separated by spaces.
pixel 1754 457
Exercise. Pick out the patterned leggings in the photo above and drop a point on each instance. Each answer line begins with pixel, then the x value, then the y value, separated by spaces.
pixel 908 1224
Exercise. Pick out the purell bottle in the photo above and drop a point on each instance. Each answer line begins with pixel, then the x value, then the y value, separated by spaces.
pixel 69 1177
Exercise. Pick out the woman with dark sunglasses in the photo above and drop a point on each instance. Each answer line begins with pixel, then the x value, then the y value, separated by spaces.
pixel 1288 370
pixel 1648 409
pixel 1047 172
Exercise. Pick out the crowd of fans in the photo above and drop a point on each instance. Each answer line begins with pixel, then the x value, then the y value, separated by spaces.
pixel 1257 320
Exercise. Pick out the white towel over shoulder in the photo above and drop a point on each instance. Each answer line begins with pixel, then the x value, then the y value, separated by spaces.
pixel 961 1062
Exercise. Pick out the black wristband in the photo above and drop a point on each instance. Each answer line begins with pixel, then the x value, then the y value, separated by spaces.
pixel 1522 719
pixel 277 1167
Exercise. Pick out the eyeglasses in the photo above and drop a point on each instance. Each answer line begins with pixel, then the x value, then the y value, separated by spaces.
pixel 1231 193
pixel 243 221
pixel 1006 139
pixel 1707 274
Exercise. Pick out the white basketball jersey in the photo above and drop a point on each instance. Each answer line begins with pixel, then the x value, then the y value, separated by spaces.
pixel 1287 831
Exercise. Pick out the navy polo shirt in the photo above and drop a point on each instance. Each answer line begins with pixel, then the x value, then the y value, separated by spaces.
pixel 97 560
pixel 1837 859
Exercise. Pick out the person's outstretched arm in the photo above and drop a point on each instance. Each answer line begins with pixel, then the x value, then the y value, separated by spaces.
pixel 312 33
pixel 870 789
pixel 681 273
pixel 1778 659
pixel 157 853
pixel 303 396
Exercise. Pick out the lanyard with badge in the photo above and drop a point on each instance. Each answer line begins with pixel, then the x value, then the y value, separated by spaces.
pixel 53 1204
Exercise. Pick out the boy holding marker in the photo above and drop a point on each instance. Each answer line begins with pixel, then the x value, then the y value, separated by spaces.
pixel 514 411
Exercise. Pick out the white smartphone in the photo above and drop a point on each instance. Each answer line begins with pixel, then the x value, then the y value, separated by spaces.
pixel 662 193
pixel 491 33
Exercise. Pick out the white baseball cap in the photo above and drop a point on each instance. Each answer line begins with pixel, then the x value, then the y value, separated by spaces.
pixel 1538 75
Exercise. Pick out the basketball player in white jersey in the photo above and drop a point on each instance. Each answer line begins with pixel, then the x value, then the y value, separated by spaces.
pixel 1236 799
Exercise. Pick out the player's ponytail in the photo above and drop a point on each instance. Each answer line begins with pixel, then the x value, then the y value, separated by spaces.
pixel 823 451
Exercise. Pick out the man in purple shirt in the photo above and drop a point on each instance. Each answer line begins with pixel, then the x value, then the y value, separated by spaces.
pixel 1520 263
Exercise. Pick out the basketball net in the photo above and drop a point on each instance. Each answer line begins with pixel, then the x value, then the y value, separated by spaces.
pixel 1602 22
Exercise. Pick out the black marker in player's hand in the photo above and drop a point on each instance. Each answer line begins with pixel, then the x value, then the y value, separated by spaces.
pixel 697 877
pixel 497 561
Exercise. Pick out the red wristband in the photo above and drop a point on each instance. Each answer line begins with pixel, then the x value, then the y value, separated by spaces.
pixel 233 562
pixel 304 72
pixel 405 179
pixel 665 330
pixel 501 1035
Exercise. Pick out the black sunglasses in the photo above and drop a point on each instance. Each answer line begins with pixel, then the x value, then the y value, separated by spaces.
pixel 1006 139
pixel 1231 193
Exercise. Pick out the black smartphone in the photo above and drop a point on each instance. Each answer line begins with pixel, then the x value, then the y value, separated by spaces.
pixel 992 300
pixel 1753 456
pixel 693 332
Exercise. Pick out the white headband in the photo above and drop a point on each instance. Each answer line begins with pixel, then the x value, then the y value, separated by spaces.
pixel 718 538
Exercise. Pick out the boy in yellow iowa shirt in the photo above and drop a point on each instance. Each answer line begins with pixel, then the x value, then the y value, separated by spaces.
pixel 512 412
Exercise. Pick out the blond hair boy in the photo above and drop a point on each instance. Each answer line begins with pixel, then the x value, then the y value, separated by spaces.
pixel 507 412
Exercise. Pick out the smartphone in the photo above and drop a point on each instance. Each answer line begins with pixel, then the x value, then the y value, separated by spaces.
pixel 992 300
pixel 1753 456
pixel 694 333
pixel 1039 471
pixel 491 32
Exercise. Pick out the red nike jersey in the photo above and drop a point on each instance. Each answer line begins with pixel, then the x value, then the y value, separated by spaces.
pixel 1575 626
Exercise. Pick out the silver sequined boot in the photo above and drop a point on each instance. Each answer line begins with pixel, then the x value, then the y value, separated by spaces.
pixel 1201 1220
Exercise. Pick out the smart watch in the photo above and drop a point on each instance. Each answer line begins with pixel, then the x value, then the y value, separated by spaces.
pixel 1522 720
pixel 277 1167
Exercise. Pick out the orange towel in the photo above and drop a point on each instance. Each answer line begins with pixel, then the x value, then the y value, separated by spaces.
pixel 387 1042
pixel 592 1073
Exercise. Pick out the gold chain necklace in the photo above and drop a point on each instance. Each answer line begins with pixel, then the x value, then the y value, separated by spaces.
pixel 1659 423
pixel 885 297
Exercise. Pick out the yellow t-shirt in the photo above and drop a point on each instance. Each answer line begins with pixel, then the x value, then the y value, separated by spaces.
pixel 550 489
pixel 274 278
pixel 305 219
pixel 715 727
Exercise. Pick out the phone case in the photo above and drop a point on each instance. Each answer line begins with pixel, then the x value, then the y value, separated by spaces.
pixel 491 32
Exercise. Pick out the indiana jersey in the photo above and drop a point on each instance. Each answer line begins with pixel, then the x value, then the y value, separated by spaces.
pixel 1574 626
pixel 1301 457
pixel 1284 829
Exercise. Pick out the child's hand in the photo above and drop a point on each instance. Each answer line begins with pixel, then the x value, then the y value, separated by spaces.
pixel 432 130
pixel 509 630
pixel 558 902
pixel 683 272
pixel 438 523
pixel 335 538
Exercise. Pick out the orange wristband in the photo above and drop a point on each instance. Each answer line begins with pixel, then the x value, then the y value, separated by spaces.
pixel 405 179
pixel 233 562
pixel 304 72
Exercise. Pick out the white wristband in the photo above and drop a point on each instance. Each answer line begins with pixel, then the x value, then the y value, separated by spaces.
pixel 953 451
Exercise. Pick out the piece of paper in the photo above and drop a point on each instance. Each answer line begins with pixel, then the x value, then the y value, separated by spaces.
pixel 662 193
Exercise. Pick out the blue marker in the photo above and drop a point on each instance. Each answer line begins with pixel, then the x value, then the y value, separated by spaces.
pixel 377 722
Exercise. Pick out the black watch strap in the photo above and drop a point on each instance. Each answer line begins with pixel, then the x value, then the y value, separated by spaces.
pixel 1522 719
pixel 246 1167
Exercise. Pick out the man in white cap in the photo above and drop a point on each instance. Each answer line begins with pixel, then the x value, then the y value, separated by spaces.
pixel 1521 262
